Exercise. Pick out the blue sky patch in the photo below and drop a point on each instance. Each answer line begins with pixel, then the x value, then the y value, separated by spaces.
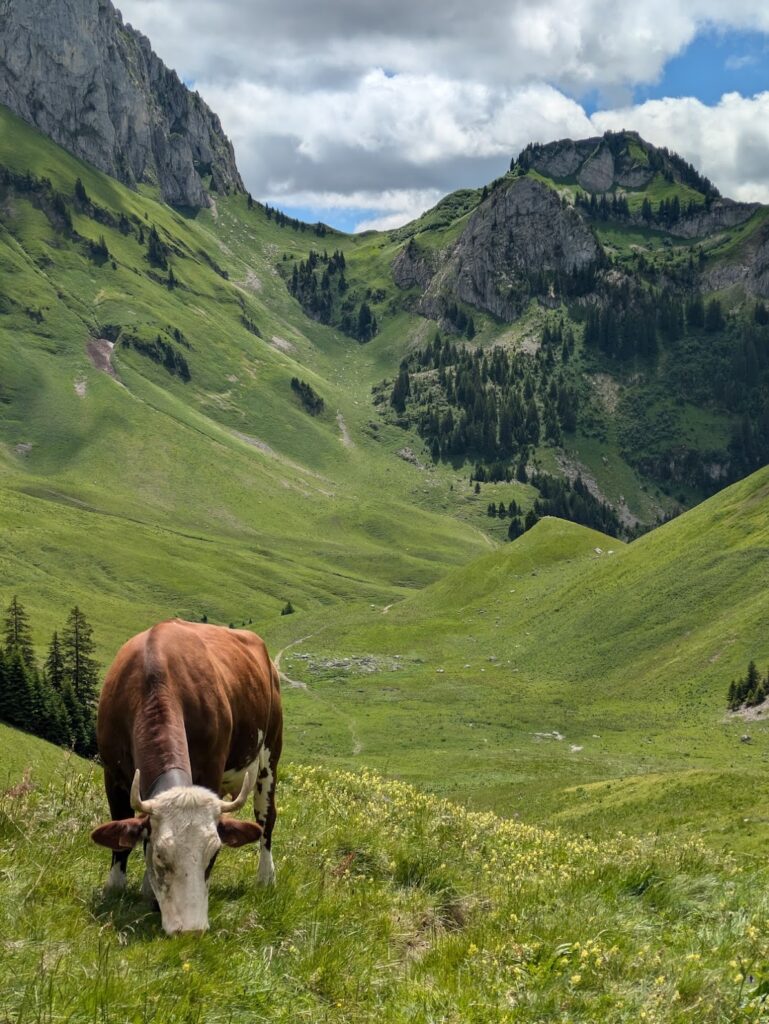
pixel 715 62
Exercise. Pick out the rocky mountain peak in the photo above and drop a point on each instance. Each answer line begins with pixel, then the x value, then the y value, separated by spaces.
pixel 76 72
pixel 613 160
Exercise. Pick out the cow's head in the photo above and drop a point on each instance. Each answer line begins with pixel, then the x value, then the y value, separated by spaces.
pixel 185 830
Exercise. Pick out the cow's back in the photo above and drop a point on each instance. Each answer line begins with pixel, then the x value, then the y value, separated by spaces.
pixel 212 690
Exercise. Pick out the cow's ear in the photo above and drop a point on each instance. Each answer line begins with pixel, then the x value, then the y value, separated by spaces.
pixel 122 835
pixel 238 833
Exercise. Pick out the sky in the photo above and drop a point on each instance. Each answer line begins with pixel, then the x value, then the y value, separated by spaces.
pixel 363 114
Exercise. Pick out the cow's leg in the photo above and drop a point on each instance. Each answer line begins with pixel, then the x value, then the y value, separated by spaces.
pixel 120 807
pixel 266 813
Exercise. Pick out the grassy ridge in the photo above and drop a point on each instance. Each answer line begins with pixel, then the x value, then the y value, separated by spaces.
pixel 547 666
pixel 391 906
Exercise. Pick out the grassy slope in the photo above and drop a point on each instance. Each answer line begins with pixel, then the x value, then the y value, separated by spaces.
pixel 390 906
pixel 626 655
pixel 141 498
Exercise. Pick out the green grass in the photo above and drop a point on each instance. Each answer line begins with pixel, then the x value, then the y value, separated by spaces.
pixel 570 684
pixel 625 655
pixel 390 905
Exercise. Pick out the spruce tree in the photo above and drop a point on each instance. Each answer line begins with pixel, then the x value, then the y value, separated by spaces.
pixel 55 669
pixel 17 634
pixel 80 665
pixel 19 700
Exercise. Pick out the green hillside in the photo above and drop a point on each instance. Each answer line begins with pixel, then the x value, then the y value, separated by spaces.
pixel 26 760
pixel 566 676
pixel 148 494
pixel 391 905
pixel 144 495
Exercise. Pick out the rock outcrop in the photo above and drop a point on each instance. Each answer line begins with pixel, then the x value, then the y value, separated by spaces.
pixel 616 159
pixel 521 234
pixel 76 72
pixel 718 216
pixel 749 268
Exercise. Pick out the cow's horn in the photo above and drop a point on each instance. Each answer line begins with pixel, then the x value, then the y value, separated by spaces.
pixel 142 806
pixel 249 781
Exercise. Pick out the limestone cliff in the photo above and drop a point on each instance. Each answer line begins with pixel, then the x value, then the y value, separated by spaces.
pixel 520 234
pixel 76 72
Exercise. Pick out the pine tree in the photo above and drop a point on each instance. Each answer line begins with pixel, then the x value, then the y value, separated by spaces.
pixel 6 698
pixel 80 193
pixel 77 651
pixel 157 253
pixel 55 669
pixel 714 318
pixel 18 702
pixel 515 529
pixel 17 633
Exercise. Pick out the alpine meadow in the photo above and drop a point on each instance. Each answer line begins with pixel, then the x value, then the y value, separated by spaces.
pixel 492 484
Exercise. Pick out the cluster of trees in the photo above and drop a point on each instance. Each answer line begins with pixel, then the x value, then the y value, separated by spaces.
pixel 626 326
pixel 574 501
pixel 614 206
pixel 562 498
pixel 98 251
pixel 56 701
pixel 308 396
pixel 284 221
pixel 160 351
pixel 751 690
pixel 319 285
pixel 316 296
pixel 501 510
pixel 493 404
pixel 462 322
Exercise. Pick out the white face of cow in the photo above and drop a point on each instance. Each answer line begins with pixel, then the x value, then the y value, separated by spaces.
pixel 185 829
pixel 183 843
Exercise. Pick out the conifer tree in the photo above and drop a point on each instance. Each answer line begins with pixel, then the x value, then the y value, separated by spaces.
pixel 80 666
pixel 55 669
pixel 17 634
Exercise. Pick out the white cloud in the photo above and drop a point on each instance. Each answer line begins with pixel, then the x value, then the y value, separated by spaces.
pixel 729 141
pixel 401 102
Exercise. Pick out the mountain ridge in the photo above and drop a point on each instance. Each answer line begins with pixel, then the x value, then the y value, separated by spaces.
pixel 94 85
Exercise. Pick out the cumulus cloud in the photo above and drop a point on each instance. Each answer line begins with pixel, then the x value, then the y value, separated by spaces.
pixel 389 106
pixel 729 141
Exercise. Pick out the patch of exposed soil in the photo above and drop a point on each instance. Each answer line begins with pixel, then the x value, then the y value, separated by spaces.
pixel 347 440
pixel 760 713
pixel 407 454
pixel 99 351
pixel 607 389
pixel 282 345
pixel 250 283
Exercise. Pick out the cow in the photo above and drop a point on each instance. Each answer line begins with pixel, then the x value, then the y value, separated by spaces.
pixel 188 712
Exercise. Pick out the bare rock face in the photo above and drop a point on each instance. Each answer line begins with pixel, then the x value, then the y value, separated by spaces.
pixel 522 230
pixel 750 270
pixel 414 267
pixel 73 70
pixel 519 231
pixel 597 172
pixel 719 216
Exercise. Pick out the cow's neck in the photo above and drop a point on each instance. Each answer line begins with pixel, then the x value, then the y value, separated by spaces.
pixel 160 746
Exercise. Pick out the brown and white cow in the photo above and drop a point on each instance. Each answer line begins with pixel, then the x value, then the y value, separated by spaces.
pixel 188 713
